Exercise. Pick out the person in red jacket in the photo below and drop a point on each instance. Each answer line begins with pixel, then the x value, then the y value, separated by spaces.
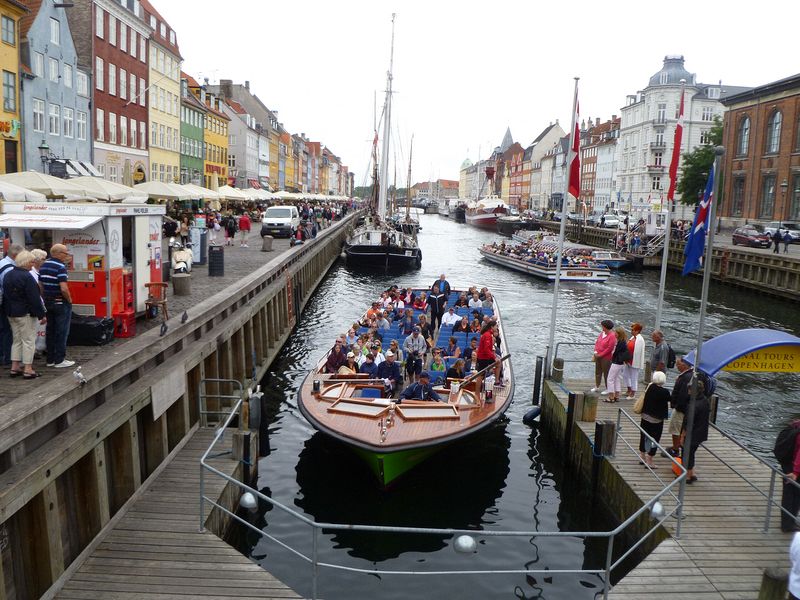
pixel 485 353
pixel 244 228
pixel 790 499
pixel 603 349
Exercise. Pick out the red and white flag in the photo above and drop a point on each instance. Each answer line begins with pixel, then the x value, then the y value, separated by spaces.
pixel 575 143
pixel 676 154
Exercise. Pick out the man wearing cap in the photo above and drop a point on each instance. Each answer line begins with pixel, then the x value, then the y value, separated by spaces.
pixel 450 318
pixel 420 390
pixel 440 292
pixel 415 348
pixel 389 371
pixel 369 366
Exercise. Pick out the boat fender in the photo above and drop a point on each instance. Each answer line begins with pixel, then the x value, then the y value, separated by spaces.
pixel 531 415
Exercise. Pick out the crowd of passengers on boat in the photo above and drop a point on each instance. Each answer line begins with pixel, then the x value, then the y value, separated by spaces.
pixel 538 254
pixel 402 337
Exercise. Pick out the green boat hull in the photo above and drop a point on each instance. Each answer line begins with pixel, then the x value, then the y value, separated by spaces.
pixel 388 466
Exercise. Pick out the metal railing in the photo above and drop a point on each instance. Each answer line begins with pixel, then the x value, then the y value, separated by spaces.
pixel 653 506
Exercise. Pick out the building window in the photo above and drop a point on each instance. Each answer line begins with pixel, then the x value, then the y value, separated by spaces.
pixel 53 70
pixel 123 84
pixel 661 114
pixel 142 135
pixel 123 37
pixel 160 100
pixel 98 73
pixel 98 25
pixel 133 133
pixel 112 79
pixel 55 31
pixel 132 86
pixel 82 82
pixel 154 172
pixel 133 43
pixel 153 22
pixel 142 49
pixel 794 205
pixel 9 92
pixel 658 157
pixel 69 120
pixel 54 121
pixel 141 92
pixel 708 113
pixel 9 31
pixel 767 197
pixel 797 135
pixel 705 137
pixel 153 135
pixel 161 142
pixel 123 130
pixel 743 137
pixel 112 30
pixel 773 138
pixel 162 29
pixel 67 75
pixel 100 125
pixel 172 37
pixel 737 204
pixel 38 64
pixel 38 115
pixel 81 125
pixel 112 128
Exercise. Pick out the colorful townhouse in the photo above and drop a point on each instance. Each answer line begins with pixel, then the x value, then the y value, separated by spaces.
pixel 193 116
pixel 10 14
pixel 215 137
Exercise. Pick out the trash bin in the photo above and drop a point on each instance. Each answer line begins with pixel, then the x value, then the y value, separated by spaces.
pixel 216 261
pixel 266 243
pixel 199 239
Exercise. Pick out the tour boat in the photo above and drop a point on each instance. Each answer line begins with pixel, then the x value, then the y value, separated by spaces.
pixel 458 211
pixel 443 207
pixel 610 258
pixel 546 270
pixel 485 211
pixel 391 436
pixel 509 224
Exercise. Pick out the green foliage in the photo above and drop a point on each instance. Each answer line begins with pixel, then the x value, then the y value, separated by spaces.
pixel 695 166
pixel 363 192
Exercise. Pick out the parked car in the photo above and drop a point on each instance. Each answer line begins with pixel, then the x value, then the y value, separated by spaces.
pixel 753 235
pixel 610 221
pixel 791 226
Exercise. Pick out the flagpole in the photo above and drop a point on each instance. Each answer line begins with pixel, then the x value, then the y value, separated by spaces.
pixel 676 153
pixel 562 229
pixel 689 418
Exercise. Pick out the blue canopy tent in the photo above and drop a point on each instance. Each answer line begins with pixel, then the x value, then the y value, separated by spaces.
pixel 724 349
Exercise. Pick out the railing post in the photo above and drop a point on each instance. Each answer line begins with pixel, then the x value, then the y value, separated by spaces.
pixel 609 558
pixel 769 501
pixel 537 380
pixel 617 432
pixel 202 496
pixel 314 563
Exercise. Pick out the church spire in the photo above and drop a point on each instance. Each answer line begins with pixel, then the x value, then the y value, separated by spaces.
pixel 507 140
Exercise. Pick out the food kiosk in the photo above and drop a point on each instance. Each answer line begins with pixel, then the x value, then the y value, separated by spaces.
pixel 115 248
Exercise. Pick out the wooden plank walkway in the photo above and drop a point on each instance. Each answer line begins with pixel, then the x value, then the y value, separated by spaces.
pixel 722 551
pixel 154 550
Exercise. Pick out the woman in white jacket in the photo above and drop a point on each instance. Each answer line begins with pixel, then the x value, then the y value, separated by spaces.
pixel 636 346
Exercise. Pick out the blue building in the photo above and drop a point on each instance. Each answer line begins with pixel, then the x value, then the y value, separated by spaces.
pixel 55 95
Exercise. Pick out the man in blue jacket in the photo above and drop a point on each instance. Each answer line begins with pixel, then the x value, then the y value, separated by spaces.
pixel 369 366
pixel 440 292
pixel 389 370
pixel 421 390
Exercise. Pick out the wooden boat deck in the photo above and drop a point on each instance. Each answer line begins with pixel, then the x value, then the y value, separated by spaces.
pixel 153 549
pixel 722 551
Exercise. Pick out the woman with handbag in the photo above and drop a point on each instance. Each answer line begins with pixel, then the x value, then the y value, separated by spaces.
pixel 615 372
pixel 654 407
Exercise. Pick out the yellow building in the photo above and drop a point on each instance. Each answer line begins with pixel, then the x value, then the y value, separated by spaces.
pixel 215 138
pixel 289 171
pixel 164 108
pixel 10 14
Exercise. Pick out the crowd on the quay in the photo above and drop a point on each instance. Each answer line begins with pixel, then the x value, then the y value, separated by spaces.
pixel 620 357
pixel 33 291
pixel 419 319
pixel 541 254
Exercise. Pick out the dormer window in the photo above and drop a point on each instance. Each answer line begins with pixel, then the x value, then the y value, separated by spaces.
pixel 713 93
pixel 663 77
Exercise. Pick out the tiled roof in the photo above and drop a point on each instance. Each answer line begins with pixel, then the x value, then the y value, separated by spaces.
pixel 26 21
pixel 191 80
pixel 236 107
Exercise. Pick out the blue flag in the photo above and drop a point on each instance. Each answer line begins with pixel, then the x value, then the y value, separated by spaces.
pixel 696 244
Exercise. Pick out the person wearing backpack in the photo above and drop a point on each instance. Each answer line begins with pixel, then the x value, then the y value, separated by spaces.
pixel 659 357
pixel 787 451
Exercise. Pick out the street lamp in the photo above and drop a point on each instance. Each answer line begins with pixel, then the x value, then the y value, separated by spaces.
pixel 784 186
pixel 44 154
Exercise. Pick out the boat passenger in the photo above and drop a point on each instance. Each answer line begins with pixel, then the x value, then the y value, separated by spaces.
pixel 389 371
pixel 425 328
pixel 421 302
pixel 407 296
pixel 487 301
pixel 408 323
pixel 437 366
pixel 369 367
pixel 398 304
pixel 351 337
pixel 450 318
pixel 394 346
pixel 454 372
pixel 475 301
pixel 415 349
pixel 462 326
pixel 462 300
pixel 483 293
pixel 336 358
pixel 421 390
pixel 350 367
pixel 373 311
pixel 452 350
pixel 475 326
pixel 472 349
pixel 381 322
pixel 485 353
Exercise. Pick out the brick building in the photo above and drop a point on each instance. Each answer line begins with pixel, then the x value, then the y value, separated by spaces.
pixel 111 40
pixel 761 165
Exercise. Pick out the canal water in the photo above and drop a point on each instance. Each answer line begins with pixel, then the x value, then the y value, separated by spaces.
pixel 507 478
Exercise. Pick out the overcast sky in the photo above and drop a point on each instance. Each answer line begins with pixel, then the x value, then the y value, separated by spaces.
pixel 464 71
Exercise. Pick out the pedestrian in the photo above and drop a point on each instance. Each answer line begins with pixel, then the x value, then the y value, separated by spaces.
pixel 636 347
pixel 790 465
pixel 655 409
pixel 618 358
pixel 23 305
pixel 777 238
pixel 794 573
pixel 213 228
pixel 440 293
pixel 787 239
pixel 699 420
pixel 6 337
pixel 603 349
pixel 58 303
pixel 660 353
pixel 230 229
pixel 184 230
pixel 244 228
pixel 679 402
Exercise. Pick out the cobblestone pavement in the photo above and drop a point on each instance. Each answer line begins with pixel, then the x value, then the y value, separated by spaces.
pixel 239 262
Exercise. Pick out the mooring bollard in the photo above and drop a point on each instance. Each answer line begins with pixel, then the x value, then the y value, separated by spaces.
pixel 589 412
pixel 774 584
pixel 266 243
pixel 558 370
pixel 648 372
pixel 182 284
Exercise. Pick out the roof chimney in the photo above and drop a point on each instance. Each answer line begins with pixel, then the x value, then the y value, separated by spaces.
pixel 613 117
pixel 226 88
pixel 247 85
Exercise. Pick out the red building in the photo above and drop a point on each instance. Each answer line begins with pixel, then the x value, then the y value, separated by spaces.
pixel 112 43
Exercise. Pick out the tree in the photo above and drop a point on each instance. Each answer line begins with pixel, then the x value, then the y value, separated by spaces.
pixel 696 165
pixel 363 192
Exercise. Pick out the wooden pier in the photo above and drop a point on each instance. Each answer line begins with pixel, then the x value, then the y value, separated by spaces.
pixel 153 548
pixel 722 551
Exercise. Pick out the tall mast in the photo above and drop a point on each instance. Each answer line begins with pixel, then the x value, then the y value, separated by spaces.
pixel 386 130
pixel 408 186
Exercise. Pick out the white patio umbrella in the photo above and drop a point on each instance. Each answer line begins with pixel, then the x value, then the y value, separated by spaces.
pixel 15 193
pixel 229 193
pixel 45 184
pixel 102 189
pixel 167 191
pixel 201 192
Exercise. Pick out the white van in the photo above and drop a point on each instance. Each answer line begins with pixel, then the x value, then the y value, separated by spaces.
pixel 280 220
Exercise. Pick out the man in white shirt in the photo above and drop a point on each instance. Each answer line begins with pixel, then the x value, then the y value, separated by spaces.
pixel 475 302
pixel 450 318
pixel 377 355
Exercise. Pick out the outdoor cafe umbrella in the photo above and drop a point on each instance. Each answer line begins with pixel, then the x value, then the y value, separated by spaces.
pixel 159 189
pixel 45 184
pixel 102 189
pixel 200 192
pixel 229 193
pixel 15 193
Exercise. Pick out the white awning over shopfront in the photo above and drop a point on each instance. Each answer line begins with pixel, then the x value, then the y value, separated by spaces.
pixel 28 221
